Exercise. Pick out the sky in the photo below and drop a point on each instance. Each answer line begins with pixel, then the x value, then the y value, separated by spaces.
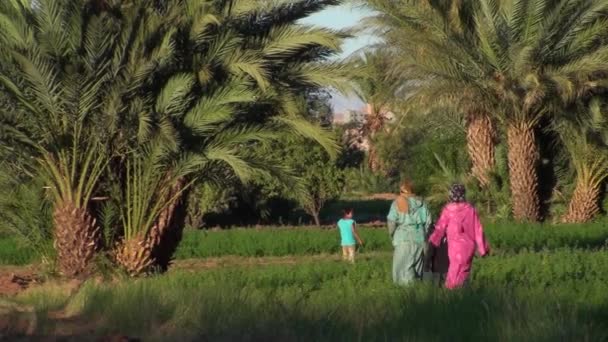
pixel 340 17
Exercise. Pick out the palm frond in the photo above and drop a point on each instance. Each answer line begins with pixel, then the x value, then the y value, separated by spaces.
pixel 173 98
pixel 233 159
pixel 311 131
pixel 285 40
pixel 249 63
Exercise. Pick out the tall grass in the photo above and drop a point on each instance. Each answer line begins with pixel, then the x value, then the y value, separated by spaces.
pixel 271 242
pixel 505 238
pixel 514 237
pixel 16 251
pixel 333 301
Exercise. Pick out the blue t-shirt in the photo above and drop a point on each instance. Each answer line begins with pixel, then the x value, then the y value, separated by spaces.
pixel 346 232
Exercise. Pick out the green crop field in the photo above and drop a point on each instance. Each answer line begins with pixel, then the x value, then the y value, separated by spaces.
pixel 542 283
pixel 161 162
pixel 283 241
pixel 544 296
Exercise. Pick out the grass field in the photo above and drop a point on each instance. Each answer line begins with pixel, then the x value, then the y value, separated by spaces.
pixel 506 238
pixel 533 296
pixel 542 283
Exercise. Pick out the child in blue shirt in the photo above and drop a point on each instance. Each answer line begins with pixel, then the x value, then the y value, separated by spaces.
pixel 348 235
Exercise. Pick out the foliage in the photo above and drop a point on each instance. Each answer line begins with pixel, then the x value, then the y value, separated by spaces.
pixel 276 196
pixel 208 198
pixel 441 182
pixel 585 139
pixel 516 61
pixel 146 192
pixel 351 156
pixel 207 80
pixel 414 143
pixel 320 180
pixel 380 90
pixel 14 251
pixel 493 201
pixel 375 86
pixel 54 108
pixel 323 181
pixel 503 49
pixel 26 215
pixel 505 237
pixel 318 106
pixel 362 181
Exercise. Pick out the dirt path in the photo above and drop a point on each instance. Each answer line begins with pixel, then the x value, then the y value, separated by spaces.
pixel 21 323
pixel 16 279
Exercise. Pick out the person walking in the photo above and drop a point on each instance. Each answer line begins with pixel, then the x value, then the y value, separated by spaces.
pixel 408 222
pixel 460 223
pixel 348 235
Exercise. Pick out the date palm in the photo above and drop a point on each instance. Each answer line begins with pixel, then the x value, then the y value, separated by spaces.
pixel 516 58
pixel 52 75
pixel 586 141
pixel 551 54
pixel 206 80
pixel 378 88
pixel 422 34
pixel 236 71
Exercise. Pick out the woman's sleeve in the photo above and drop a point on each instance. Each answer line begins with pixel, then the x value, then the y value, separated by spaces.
pixel 480 240
pixel 391 220
pixel 439 231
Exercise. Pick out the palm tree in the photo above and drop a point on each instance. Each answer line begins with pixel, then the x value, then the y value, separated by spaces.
pixel 206 80
pixel 378 88
pixel 53 76
pixel 586 141
pixel 520 58
pixel 421 35
pixel 147 191
pixel 238 73
pixel 550 55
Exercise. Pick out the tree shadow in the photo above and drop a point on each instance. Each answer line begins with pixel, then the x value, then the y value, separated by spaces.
pixel 427 315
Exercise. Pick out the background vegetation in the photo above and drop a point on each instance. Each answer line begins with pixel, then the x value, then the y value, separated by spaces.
pixel 137 135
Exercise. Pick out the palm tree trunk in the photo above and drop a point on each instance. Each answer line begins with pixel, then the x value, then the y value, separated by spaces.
pixel 155 250
pixel 167 232
pixel 77 239
pixel 523 157
pixel 135 255
pixel 481 147
pixel 373 160
pixel 584 204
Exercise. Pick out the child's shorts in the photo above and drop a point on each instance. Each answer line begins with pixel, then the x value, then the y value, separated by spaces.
pixel 348 253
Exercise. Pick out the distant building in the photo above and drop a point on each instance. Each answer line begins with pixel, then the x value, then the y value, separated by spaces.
pixel 355 135
pixel 358 115
pixel 340 118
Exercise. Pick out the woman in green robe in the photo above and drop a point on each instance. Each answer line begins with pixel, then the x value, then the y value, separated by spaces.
pixel 408 224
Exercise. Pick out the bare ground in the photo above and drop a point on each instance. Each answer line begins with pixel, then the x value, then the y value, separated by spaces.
pixel 15 279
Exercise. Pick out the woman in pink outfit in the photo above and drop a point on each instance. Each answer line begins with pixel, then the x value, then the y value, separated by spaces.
pixel 459 221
